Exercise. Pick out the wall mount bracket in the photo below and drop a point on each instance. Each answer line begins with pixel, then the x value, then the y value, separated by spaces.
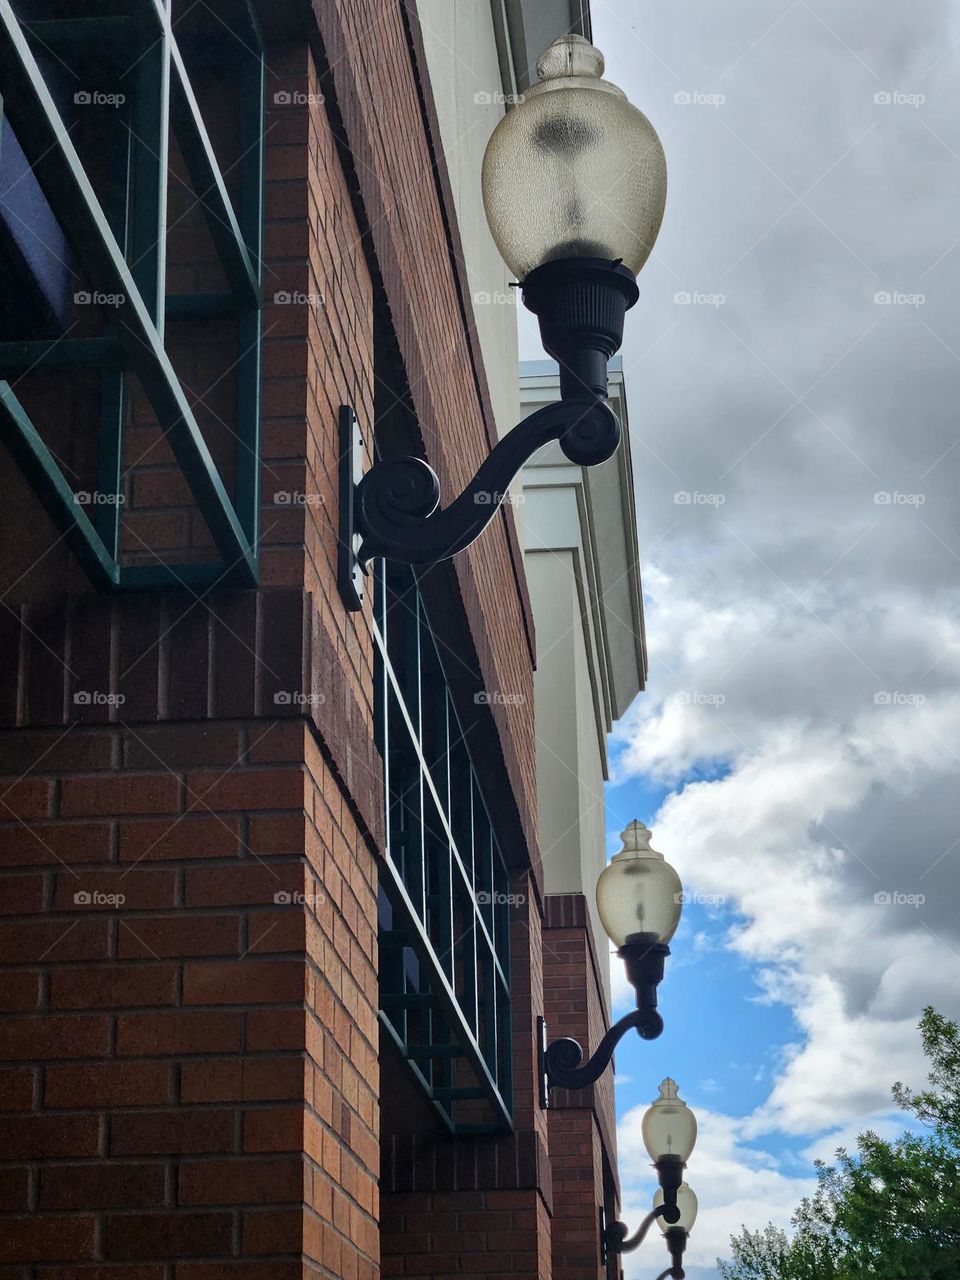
pixel 393 511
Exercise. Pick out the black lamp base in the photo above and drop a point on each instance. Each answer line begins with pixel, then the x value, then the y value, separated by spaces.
pixel 581 304
pixel 644 960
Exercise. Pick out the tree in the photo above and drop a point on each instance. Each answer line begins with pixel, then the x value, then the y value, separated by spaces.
pixel 889 1212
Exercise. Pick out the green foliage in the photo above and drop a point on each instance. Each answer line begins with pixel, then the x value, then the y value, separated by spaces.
pixel 889 1212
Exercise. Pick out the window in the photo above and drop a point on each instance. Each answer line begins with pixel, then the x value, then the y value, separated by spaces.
pixel 132 136
pixel 444 900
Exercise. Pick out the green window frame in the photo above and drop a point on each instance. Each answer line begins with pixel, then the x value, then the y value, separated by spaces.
pixel 444 887
pixel 121 248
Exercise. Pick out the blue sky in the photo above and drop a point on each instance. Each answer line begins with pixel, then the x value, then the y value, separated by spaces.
pixel 795 359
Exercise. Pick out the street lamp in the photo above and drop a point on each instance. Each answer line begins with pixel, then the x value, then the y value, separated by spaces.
pixel 574 186
pixel 669 1131
pixel 639 899
pixel 676 1233
pixel 676 1225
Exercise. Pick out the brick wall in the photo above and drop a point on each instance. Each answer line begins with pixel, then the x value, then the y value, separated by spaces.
pixel 189 1088
pixel 582 1122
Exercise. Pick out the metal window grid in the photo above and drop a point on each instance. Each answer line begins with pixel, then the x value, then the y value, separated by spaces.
pixel 444 899
pixel 121 247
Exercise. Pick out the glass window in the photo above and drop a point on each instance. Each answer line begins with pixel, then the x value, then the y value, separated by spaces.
pixel 444 913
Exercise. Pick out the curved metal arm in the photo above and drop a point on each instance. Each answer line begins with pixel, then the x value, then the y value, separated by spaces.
pixel 619 1242
pixel 677 1273
pixel 396 502
pixel 561 1060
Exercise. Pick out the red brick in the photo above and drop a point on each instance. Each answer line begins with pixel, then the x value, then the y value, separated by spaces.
pixel 161 488
pixel 276 835
pixel 108 1084
pixel 53 941
pixel 157 1272
pixel 14 1189
pixel 31 1239
pixel 101 1186
pixel 273 1129
pixel 159 531
pixel 21 895
pixel 167 1235
pixel 239 1271
pixel 246 789
pixel 172 1132
pixel 37 1137
pixel 242 1079
pixel 281 930
pixel 183 746
pixel 244 885
pixel 64 843
pixel 223 1182
pixel 275 1032
pixel 19 992
pixel 181 935
pixel 174 1033
pixel 244 982
pixel 189 837
pixel 114 986
pixel 23 752
pixel 282 743
pixel 272 1230
pixel 139 890
pixel 16 1089
pixel 119 794
pixel 27 798
pixel 56 1036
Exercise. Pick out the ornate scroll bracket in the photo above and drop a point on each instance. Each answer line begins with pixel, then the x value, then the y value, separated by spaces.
pixel 393 511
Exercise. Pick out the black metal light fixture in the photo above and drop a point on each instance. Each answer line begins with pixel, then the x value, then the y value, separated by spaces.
pixel 669 1131
pixel 639 899
pixel 675 1233
pixel 574 186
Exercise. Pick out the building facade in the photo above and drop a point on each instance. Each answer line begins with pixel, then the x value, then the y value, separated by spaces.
pixel 277 922
pixel 583 575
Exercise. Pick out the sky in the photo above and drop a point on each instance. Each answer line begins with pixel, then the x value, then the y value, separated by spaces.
pixel 793 366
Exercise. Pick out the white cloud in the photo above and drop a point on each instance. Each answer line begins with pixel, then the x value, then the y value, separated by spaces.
pixel 804 637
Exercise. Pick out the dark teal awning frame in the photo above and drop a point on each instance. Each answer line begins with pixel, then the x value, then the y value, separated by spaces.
pixel 122 251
